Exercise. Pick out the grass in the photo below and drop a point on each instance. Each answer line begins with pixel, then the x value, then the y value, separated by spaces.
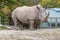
pixel 2 28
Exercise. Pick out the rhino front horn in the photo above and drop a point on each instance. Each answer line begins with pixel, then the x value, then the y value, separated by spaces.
pixel 47 15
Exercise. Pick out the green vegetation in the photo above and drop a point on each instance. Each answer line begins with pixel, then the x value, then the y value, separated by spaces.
pixel 2 28
pixel 51 3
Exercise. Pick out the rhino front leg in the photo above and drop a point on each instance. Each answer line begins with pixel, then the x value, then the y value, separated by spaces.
pixel 31 24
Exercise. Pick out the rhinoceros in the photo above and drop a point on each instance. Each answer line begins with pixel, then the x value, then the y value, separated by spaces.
pixel 31 15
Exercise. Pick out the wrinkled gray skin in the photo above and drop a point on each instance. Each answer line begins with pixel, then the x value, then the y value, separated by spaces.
pixel 29 15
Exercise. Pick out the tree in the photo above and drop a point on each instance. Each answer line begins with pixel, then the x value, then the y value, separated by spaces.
pixel 51 3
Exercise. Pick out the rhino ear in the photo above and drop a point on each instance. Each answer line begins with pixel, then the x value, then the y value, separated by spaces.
pixel 38 8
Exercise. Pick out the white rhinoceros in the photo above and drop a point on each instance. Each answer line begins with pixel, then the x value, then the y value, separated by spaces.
pixel 29 15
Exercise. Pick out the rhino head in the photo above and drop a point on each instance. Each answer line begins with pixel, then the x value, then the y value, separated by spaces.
pixel 43 16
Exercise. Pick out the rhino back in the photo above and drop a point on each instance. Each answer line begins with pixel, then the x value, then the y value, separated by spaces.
pixel 25 13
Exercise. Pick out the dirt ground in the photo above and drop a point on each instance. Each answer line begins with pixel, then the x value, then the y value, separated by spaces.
pixel 40 34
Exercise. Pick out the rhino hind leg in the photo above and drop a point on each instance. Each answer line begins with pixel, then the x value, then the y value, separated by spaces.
pixel 17 27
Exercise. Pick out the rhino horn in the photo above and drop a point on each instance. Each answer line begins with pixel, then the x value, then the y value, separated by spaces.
pixel 47 15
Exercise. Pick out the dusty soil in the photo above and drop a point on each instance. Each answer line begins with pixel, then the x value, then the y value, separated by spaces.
pixel 40 34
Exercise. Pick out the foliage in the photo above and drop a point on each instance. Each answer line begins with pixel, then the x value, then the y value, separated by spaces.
pixel 50 3
pixel 3 17
pixel 3 28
